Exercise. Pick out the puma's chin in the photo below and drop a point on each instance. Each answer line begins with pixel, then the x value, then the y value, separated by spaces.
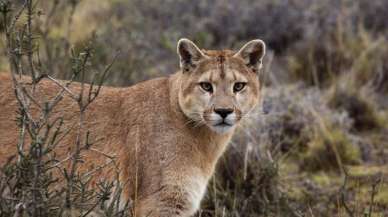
pixel 222 128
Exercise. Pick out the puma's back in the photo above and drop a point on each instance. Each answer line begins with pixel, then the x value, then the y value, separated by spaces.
pixel 113 119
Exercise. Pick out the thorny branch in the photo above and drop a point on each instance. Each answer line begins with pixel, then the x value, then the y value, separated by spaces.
pixel 29 181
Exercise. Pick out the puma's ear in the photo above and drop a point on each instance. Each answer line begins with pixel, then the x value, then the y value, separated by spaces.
pixel 252 53
pixel 189 54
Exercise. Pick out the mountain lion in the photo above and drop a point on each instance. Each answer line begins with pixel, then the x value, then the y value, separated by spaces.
pixel 166 134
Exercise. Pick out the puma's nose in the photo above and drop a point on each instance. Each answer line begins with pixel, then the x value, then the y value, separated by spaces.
pixel 223 112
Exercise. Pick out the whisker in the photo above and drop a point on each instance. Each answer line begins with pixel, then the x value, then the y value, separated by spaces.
pixel 199 123
pixel 253 114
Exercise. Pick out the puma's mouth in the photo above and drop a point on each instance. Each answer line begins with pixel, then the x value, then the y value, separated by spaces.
pixel 223 124
pixel 220 124
pixel 222 127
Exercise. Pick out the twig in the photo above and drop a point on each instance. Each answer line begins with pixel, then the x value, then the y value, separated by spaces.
pixel 64 87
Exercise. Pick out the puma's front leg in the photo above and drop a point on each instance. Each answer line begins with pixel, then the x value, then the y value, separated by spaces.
pixel 170 201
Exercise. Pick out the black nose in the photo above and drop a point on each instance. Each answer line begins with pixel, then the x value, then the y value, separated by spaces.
pixel 223 112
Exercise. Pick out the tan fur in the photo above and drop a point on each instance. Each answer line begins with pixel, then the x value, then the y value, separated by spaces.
pixel 160 130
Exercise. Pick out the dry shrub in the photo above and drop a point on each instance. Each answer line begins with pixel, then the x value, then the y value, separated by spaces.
pixel 35 182
pixel 330 149
pixel 247 183
pixel 360 110
pixel 320 61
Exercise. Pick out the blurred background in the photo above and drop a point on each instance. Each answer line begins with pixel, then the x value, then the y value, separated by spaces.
pixel 318 146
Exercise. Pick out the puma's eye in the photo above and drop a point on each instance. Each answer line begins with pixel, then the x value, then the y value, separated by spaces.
pixel 206 86
pixel 239 86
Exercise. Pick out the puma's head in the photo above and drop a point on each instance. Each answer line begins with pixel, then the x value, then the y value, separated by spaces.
pixel 219 88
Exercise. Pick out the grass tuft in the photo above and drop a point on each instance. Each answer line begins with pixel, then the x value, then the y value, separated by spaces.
pixel 330 150
pixel 360 110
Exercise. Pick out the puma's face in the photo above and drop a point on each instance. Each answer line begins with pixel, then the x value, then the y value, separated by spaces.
pixel 219 88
